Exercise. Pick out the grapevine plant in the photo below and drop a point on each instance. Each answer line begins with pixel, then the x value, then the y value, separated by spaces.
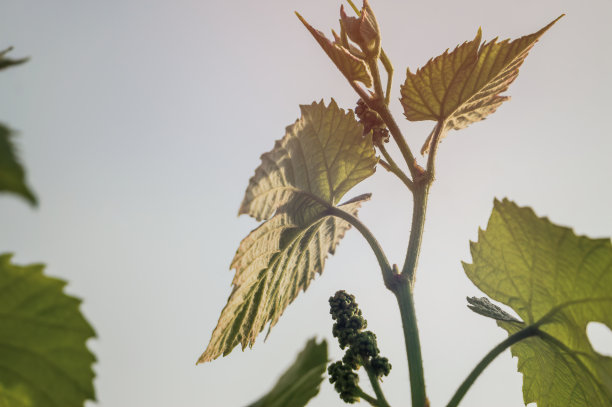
pixel 555 281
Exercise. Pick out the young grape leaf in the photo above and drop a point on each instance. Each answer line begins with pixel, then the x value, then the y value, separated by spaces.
pixel 301 381
pixel 560 282
pixel 486 308
pixel 43 358
pixel 352 67
pixel 273 263
pixel 464 86
pixel 12 174
pixel 323 154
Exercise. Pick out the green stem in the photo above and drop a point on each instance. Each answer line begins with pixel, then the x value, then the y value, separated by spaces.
pixel 362 394
pixel 389 68
pixel 396 133
pixel 382 401
pixel 531 330
pixel 419 208
pixel 392 167
pixel 385 268
pixel 405 300
pixel 373 64
pixel 433 150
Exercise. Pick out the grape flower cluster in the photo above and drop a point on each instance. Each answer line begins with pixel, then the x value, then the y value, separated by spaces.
pixel 371 121
pixel 360 345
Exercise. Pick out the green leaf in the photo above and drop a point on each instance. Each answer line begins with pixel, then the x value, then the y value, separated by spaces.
pixel 273 264
pixel 351 66
pixel 464 86
pixel 12 174
pixel 43 358
pixel 301 381
pixel 322 156
pixel 6 62
pixel 559 282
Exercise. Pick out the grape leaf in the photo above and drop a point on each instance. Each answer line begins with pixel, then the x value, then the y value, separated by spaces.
pixel 12 174
pixel 560 282
pixel 352 67
pixel 323 154
pixel 464 86
pixel 301 381
pixel 273 263
pixel 43 358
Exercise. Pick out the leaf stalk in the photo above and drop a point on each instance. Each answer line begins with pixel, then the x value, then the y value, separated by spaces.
pixel 531 330
pixel 385 268
pixel 392 167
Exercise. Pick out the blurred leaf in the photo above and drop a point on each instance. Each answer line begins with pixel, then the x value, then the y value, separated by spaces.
pixel 352 67
pixel 273 263
pixel 301 381
pixel 12 174
pixel 464 86
pixel 43 358
pixel 6 62
pixel 323 155
pixel 560 282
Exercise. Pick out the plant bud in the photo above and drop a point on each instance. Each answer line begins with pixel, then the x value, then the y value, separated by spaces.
pixel 363 30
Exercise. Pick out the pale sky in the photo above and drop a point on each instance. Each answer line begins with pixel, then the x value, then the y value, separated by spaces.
pixel 141 122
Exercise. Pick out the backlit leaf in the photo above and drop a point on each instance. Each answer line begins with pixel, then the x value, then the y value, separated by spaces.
pixel 464 86
pixel 273 264
pixel 560 281
pixel 12 174
pixel 352 67
pixel 301 381
pixel 323 154
pixel 43 358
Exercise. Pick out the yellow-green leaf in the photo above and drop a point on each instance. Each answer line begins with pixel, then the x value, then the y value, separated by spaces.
pixel 273 264
pixel 44 361
pixel 12 174
pixel 352 67
pixel 560 282
pixel 464 86
pixel 301 381
pixel 322 155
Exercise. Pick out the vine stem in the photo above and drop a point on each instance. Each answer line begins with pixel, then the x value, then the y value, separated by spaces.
pixel 531 330
pixel 420 193
pixel 405 300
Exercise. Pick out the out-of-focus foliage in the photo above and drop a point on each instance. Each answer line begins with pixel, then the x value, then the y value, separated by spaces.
pixel 44 361
pixel 301 381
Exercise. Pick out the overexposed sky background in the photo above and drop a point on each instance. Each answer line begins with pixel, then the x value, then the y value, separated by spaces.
pixel 141 122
